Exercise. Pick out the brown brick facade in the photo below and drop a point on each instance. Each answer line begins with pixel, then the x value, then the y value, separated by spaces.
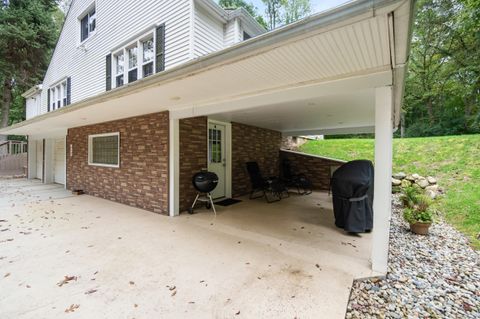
pixel 142 178
pixel 250 143
pixel 193 156
pixel 317 169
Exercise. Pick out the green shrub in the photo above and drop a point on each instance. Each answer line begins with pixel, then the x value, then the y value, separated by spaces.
pixel 421 211
pixel 410 196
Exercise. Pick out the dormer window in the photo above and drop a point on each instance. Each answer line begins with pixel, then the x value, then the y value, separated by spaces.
pixel 59 94
pixel 88 24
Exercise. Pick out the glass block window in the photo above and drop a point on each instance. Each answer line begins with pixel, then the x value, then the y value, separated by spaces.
pixel 104 149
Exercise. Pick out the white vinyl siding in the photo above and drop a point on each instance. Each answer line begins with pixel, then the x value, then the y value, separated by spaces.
pixel 59 161
pixel 208 33
pixel 116 25
pixel 33 106
pixel 233 32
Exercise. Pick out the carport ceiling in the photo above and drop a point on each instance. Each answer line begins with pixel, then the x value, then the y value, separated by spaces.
pixel 320 115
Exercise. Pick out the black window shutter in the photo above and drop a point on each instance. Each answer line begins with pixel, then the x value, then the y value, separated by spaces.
pixel 48 100
pixel 69 90
pixel 160 49
pixel 108 68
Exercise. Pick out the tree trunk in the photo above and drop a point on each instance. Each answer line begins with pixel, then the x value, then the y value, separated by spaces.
pixel 430 110
pixel 6 103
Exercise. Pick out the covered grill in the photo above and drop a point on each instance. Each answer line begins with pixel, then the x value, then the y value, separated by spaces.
pixel 204 183
pixel 352 190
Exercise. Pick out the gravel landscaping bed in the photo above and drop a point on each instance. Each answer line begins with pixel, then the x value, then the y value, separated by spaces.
pixel 435 276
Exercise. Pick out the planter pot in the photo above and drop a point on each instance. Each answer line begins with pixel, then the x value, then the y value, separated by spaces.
pixel 420 228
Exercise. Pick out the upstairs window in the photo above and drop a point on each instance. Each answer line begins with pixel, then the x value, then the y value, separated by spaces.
pixel 59 95
pixel 132 64
pixel 138 59
pixel 147 57
pixel 119 61
pixel 88 24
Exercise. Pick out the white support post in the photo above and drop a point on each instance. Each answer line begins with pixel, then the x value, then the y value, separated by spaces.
pixel 382 205
pixel 32 159
pixel 174 167
pixel 49 160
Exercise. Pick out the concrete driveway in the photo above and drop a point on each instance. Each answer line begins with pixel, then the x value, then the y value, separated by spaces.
pixel 64 256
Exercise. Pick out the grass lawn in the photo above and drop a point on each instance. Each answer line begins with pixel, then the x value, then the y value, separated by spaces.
pixel 453 160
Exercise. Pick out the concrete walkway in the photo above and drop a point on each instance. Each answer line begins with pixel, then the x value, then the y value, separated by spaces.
pixel 128 263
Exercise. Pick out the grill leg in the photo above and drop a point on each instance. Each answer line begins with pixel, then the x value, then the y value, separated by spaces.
pixel 211 202
pixel 195 201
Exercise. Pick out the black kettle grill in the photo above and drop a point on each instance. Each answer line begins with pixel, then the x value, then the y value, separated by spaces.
pixel 204 183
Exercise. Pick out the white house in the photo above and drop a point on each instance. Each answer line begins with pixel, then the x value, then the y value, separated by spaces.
pixel 139 97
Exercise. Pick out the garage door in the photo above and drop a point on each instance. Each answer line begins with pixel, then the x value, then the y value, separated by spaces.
pixel 39 159
pixel 59 161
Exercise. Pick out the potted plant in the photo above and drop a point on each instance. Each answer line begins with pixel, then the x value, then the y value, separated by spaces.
pixel 418 211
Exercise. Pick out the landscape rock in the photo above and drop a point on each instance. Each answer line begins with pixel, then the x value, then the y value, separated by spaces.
pixel 415 176
pixel 396 182
pixel 431 194
pixel 399 175
pixel 422 182
pixel 434 188
pixel 434 276
pixel 431 180
pixel 410 178
pixel 406 183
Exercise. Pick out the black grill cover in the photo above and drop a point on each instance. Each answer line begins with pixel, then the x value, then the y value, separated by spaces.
pixel 352 190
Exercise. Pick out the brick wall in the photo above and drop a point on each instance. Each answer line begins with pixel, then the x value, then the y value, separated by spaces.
pixel 193 156
pixel 142 178
pixel 250 143
pixel 317 169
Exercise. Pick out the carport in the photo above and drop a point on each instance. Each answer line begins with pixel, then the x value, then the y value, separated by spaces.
pixel 336 72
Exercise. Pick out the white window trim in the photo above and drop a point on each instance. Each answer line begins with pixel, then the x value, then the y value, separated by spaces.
pixel 85 12
pixel 138 42
pixel 90 154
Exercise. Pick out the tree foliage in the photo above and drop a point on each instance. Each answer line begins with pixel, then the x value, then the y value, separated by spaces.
pixel 281 12
pixel 28 31
pixel 443 83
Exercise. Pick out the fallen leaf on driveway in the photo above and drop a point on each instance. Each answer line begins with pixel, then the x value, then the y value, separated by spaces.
pixel 6 275
pixel 171 288
pixel 131 283
pixel 65 280
pixel 174 293
pixel 72 308
pixel 3 220
pixel 91 291
pixel 236 314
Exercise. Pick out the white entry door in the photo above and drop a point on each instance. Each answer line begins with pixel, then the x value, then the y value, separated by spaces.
pixel 59 162
pixel 217 162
